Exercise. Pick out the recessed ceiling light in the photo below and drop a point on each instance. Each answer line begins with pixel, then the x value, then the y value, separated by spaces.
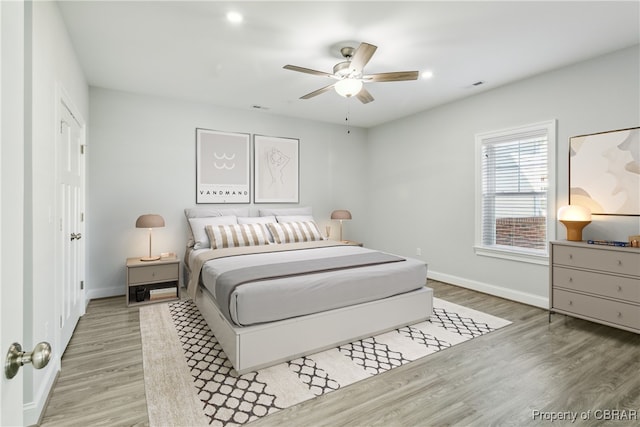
pixel 234 17
pixel 427 74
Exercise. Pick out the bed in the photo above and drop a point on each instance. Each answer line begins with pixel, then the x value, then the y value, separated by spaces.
pixel 274 299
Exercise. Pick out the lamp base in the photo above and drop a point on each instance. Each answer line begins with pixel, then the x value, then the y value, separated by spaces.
pixel 149 258
pixel 574 229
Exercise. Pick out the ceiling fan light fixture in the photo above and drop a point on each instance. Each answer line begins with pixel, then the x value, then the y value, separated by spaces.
pixel 348 87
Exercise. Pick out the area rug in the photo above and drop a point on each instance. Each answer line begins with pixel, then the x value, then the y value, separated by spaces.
pixel 189 380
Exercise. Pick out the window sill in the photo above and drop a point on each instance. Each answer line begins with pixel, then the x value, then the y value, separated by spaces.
pixel 513 255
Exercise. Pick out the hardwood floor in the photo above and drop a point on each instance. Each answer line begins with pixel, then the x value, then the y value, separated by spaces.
pixel 513 376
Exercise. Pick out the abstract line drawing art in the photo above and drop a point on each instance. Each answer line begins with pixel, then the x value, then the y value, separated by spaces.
pixel 276 164
pixel 222 167
pixel 604 172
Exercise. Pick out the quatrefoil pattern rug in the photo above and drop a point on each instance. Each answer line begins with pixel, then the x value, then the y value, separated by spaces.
pixel 229 399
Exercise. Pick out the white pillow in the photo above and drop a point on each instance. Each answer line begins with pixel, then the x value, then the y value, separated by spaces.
pixel 202 212
pixel 200 238
pixel 305 210
pixel 235 235
pixel 291 232
pixel 258 220
pixel 294 218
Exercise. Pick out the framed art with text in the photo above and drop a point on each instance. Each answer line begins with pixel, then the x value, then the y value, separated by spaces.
pixel 276 169
pixel 604 172
pixel 222 167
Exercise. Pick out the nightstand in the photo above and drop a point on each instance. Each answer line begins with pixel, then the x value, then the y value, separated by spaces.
pixel 152 281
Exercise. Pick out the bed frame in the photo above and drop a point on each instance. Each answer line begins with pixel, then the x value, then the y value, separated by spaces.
pixel 254 347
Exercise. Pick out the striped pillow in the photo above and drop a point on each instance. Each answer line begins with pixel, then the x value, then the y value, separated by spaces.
pixel 234 235
pixel 291 232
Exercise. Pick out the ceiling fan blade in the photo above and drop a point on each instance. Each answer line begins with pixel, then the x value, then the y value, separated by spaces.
pixel 318 92
pixel 362 56
pixel 396 76
pixel 364 96
pixel 307 70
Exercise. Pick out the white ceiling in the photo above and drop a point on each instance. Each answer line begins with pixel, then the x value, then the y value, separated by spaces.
pixel 187 50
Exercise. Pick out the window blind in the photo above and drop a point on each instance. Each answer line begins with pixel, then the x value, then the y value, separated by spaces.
pixel 514 190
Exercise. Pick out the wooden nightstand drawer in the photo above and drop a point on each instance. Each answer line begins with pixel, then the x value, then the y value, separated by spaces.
pixel 153 273
pixel 597 308
pixel 597 259
pixel 623 288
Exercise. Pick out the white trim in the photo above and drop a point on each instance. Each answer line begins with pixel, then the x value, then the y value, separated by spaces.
pixel 34 410
pixel 104 293
pixel 499 291
pixel 518 255
pixel 513 255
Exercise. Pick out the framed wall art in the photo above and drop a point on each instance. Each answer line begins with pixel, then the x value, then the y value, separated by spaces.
pixel 604 172
pixel 277 170
pixel 222 167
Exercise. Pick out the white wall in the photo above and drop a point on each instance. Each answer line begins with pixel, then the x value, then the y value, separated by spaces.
pixel 54 66
pixel 141 159
pixel 422 177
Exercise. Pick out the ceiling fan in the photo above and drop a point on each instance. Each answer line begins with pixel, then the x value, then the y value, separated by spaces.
pixel 349 74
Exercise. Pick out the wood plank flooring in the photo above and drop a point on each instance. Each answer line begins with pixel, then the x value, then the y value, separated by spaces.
pixel 501 378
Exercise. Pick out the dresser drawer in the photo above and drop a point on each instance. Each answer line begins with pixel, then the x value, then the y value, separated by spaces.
pixel 624 288
pixel 596 308
pixel 597 259
pixel 153 273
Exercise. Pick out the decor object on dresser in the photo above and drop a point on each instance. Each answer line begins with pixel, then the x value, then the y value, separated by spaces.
pixel 276 169
pixel 575 218
pixel 604 172
pixel 152 281
pixel 150 221
pixel 599 283
pixel 222 167
pixel 341 215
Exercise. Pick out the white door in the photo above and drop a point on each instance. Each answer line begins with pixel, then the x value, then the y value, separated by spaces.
pixel 11 201
pixel 71 232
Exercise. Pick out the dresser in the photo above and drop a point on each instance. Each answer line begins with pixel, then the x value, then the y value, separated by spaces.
pixel 596 282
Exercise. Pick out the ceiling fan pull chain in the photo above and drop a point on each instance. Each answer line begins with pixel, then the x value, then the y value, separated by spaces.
pixel 347 118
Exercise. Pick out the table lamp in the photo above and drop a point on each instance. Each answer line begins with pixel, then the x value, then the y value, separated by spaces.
pixel 149 221
pixel 574 218
pixel 341 215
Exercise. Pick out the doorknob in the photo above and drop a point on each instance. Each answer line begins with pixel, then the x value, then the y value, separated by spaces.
pixel 16 358
pixel 76 236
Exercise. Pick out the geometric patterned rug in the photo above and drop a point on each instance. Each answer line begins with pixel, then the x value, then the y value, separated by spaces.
pixel 229 399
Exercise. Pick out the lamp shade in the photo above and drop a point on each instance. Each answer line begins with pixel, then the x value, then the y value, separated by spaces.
pixel 341 214
pixel 574 213
pixel 348 87
pixel 149 221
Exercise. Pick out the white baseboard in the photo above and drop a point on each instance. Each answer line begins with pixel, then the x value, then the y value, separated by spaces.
pixel 32 411
pixel 103 293
pixel 499 291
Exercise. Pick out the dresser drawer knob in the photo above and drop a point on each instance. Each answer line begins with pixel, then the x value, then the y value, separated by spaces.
pixel 619 288
pixel 570 279
pixel 619 314
pixel 619 262
pixel 570 302
pixel 570 256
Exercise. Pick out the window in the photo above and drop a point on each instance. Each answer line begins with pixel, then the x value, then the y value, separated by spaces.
pixel 515 192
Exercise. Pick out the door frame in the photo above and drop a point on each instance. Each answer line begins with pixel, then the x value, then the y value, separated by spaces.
pixel 63 100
